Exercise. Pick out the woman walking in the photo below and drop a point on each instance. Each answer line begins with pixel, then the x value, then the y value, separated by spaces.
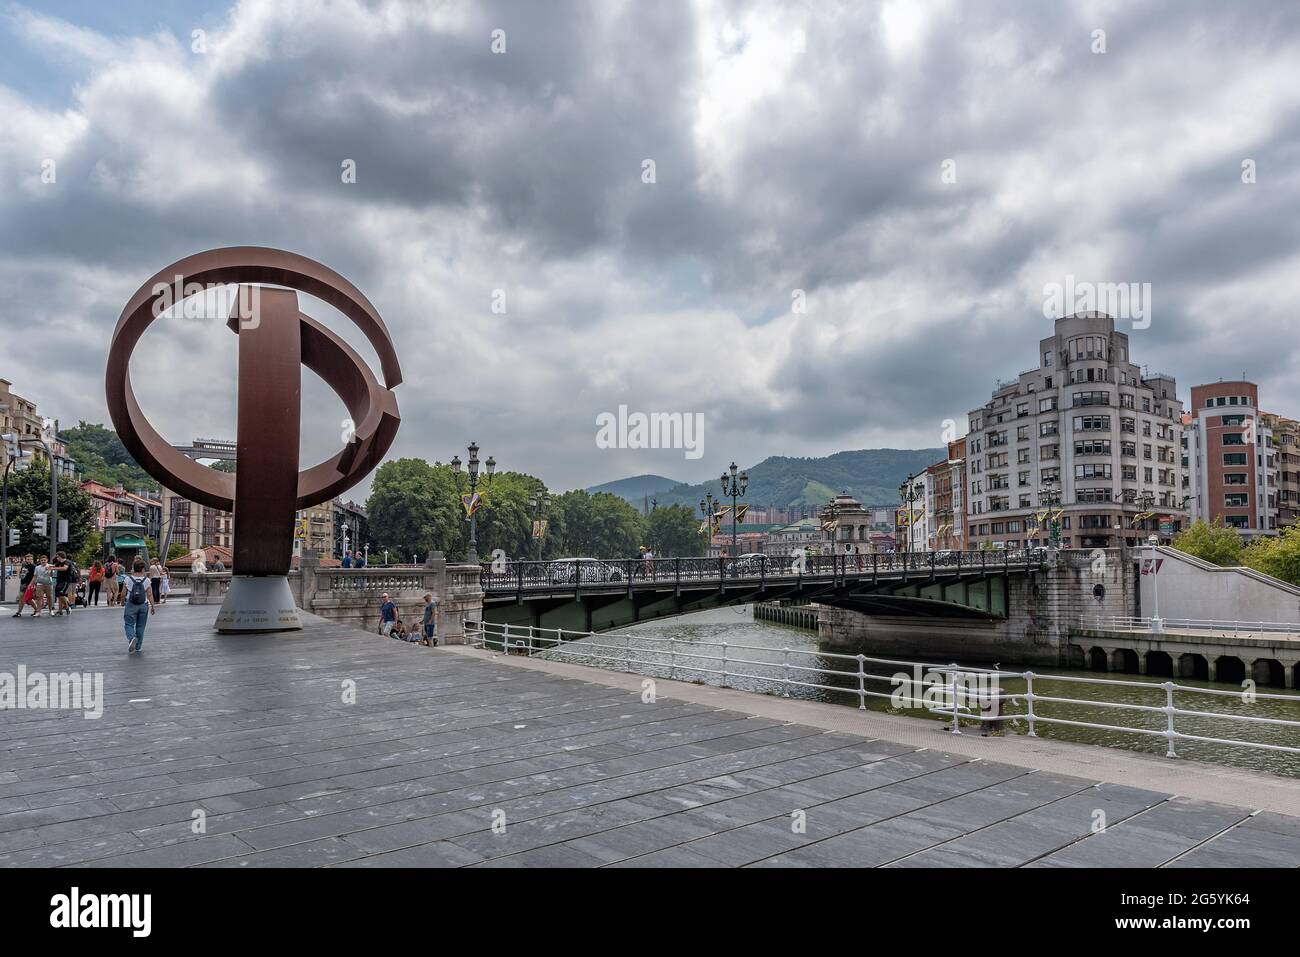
pixel 139 605
pixel 95 580
pixel 27 586
pixel 166 586
pixel 121 582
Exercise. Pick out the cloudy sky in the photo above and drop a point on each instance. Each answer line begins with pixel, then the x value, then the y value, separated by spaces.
pixel 918 170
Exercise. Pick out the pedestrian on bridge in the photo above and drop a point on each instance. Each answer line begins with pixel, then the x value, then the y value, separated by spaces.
pixel 429 621
pixel 387 615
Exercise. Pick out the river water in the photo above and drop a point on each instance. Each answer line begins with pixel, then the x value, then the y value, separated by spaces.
pixel 697 648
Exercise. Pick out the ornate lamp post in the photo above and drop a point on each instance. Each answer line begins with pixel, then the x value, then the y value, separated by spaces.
pixel 706 509
pixel 734 486
pixel 539 503
pixel 472 467
pixel 1050 498
pixel 908 494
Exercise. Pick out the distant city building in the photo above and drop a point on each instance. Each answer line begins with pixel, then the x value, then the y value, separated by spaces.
pixel 19 417
pixel 351 527
pixel 1242 463
pixel 1086 428
pixel 945 500
pixel 805 533
pixel 846 526
pixel 115 504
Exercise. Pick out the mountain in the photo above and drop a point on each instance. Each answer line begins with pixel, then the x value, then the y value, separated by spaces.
pixel 636 488
pixel 872 476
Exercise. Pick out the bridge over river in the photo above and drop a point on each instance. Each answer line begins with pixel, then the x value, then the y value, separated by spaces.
pixel 591 595
pixel 335 747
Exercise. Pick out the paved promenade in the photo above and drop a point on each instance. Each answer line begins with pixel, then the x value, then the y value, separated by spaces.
pixel 242 751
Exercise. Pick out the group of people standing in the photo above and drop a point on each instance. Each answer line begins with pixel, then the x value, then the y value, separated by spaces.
pixel 48 585
pixel 392 626
pixel 354 561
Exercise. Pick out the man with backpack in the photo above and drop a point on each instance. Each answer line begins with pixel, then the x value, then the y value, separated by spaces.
pixel 139 605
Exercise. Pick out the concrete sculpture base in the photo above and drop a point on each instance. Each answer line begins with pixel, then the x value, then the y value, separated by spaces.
pixel 258 603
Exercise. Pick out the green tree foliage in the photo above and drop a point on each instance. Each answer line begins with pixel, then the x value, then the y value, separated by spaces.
pixel 29 493
pixel 505 517
pixel 1278 555
pixel 414 509
pixel 599 526
pixel 1217 543
pixel 92 549
pixel 101 457
pixel 674 532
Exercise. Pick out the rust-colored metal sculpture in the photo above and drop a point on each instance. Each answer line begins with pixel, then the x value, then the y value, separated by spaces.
pixel 275 339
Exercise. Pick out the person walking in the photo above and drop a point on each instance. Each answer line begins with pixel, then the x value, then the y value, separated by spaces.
pixel 347 559
pixel 166 586
pixel 94 580
pixel 27 589
pixel 66 578
pixel 429 621
pixel 139 605
pixel 119 581
pixel 44 586
pixel 155 580
pixel 387 615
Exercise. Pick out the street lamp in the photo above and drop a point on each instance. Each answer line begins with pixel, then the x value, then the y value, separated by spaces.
pixel 706 509
pixel 908 494
pixel 734 487
pixel 472 468
pixel 539 503
pixel 1050 498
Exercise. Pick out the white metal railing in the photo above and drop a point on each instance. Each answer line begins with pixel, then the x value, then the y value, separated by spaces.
pixel 1121 623
pixel 950 690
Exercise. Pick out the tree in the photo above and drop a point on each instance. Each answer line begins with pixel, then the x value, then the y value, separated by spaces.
pixel 91 550
pixel 101 457
pixel 1217 543
pixel 600 526
pixel 1278 555
pixel 413 509
pixel 505 517
pixel 29 493
pixel 674 532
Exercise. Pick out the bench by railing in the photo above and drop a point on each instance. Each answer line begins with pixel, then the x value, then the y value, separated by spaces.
pixel 955 689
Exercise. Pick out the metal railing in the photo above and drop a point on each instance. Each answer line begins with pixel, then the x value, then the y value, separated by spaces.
pixel 522 576
pixel 1120 623
pixel 950 690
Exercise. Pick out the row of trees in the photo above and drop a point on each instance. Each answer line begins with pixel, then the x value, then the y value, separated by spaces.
pixel 1220 544
pixel 414 508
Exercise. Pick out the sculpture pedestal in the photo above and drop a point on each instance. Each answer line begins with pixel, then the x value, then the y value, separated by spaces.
pixel 258 603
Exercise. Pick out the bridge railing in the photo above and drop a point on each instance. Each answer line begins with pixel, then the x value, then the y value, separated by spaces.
pixel 952 691
pixel 1119 623
pixel 525 576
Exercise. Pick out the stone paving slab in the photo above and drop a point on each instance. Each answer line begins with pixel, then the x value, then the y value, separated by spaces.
pixel 447 758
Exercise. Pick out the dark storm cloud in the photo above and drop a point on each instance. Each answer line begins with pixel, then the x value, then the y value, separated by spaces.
pixel 817 171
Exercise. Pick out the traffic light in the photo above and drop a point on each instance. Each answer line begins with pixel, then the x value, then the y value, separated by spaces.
pixel 63 530
pixel 39 527
pixel 13 537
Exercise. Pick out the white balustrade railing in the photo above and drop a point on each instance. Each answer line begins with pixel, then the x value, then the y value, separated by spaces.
pixel 949 690
pixel 1236 627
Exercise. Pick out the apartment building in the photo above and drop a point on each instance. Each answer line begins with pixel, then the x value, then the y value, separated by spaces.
pixel 1086 438
pixel 945 512
pixel 1285 436
pixel 1243 464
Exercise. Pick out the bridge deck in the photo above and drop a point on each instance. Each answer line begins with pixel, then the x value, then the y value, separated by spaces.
pixel 442 743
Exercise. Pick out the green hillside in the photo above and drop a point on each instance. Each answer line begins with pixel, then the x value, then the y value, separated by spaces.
pixel 872 476
pixel 636 488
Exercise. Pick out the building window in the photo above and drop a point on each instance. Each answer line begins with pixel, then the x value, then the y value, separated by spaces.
pixel 1091 470
pixel 1092 447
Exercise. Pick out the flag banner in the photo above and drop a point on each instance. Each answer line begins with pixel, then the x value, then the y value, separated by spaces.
pixel 471 503
pixel 539 528
pixel 828 526
pixel 740 512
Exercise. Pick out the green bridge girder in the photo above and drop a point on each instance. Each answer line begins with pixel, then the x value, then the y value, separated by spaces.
pixel 979 599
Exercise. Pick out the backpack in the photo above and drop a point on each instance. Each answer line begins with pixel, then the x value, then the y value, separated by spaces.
pixel 137 596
